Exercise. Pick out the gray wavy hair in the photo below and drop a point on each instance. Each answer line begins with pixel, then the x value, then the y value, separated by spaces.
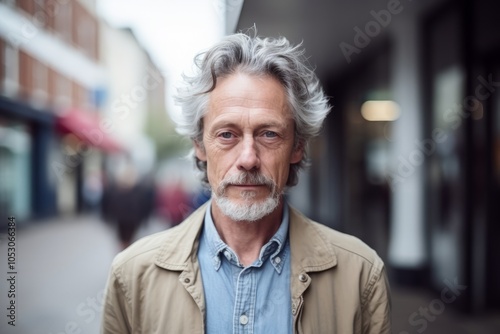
pixel 254 56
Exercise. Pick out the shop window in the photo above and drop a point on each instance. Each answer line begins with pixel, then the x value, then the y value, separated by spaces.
pixel 11 70
pixel 26 5
pixel 15 170
pixel 40 82
pixel 63 21
pixel 446 125
pixel 51 9
pixel 40 17
pixel 79 96
pixel 64 93
pixel 10 3
pixel 86 32
pixel 25 74
pixel 52 85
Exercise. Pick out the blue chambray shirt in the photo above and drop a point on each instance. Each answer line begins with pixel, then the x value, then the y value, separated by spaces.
pixel 253 299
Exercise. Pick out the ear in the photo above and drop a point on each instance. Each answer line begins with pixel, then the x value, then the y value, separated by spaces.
pixel 297 154
pixel 199 150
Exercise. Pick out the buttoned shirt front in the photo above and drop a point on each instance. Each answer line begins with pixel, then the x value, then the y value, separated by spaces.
pixel 252 299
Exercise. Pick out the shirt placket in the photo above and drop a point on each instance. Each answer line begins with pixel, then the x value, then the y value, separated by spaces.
pixel 245 299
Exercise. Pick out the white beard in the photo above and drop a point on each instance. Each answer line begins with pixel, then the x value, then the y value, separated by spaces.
pixel 249 210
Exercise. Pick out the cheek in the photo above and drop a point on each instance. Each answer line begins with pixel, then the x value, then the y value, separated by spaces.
pixel 216 169
pixel 284 168
pixel 284 174
pixel 211 168
pixel 280 171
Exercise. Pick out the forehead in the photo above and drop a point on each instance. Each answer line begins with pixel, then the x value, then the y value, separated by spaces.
pixel 244 95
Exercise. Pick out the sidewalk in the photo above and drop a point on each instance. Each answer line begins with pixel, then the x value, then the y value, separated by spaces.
pixel 418 311
pixel 63 264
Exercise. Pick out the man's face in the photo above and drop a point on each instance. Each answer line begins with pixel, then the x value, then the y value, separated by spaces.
pixel 248 139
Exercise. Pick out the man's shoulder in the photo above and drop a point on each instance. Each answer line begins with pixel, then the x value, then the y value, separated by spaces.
pixel 170 247
pixel 345 246
pixel 348 244
pixel 144 249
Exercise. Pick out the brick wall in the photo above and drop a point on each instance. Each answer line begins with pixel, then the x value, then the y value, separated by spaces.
pixel 73 24
pixel 25 74
pixel 85 31
pixel 69 20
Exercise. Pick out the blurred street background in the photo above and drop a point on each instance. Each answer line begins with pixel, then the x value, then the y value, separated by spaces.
pixel 64 263
pixel 408 160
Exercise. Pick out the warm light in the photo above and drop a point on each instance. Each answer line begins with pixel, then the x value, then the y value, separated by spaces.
pixel 380 110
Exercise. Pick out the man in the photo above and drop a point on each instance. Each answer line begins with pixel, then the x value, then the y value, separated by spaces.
pixel 246 262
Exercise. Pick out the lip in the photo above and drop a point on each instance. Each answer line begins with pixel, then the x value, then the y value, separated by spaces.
pixel 247 185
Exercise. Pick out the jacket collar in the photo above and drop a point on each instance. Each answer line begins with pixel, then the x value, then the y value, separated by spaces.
pixel 310 250
pixel 181 243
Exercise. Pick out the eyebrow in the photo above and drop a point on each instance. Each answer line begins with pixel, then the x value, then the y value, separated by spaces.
pixel 230 124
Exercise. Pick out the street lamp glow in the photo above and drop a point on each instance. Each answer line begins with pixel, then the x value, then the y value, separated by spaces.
pixel 380 110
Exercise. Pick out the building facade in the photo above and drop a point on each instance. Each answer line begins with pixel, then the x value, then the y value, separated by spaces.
pixel 419 184
pixel 51 87
pixel 136 89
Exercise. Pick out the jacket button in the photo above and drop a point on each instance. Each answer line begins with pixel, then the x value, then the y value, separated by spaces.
pixel 187 280
pixel 302 278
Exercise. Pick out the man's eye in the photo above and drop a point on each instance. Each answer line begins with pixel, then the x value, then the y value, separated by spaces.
pixel 226 135
pixel 270 134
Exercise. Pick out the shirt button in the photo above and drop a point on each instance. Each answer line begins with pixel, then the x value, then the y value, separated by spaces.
pixel 243 320
pixel 227 255
pixel 302 278
pixel 277 260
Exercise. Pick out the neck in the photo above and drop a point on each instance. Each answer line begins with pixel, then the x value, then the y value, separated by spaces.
pixel 247 238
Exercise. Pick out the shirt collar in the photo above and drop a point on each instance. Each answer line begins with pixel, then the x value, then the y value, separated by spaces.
pixel 274 249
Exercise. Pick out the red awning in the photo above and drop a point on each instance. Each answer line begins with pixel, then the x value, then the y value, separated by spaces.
pixel 86 126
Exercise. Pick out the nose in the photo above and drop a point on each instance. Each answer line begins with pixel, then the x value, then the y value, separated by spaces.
pixel 249 156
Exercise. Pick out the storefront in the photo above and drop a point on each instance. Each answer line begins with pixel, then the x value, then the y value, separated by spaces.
pixel 461 101
pixel 27 187
pixel 49 164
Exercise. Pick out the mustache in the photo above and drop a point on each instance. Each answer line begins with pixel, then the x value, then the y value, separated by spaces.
pixel 246 178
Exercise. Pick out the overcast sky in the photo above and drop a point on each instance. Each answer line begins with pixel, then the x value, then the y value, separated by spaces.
pixel 172 31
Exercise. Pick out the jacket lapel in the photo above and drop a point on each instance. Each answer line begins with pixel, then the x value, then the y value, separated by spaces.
pixel 181 245
pixel 311 252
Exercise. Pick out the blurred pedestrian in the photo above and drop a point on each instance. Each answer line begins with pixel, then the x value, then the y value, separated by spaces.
pixel 246 262
pixel 127 203
pixel 173 203
pixel 92 191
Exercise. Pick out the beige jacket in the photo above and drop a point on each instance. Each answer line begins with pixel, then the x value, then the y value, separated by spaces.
pixel 338 283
